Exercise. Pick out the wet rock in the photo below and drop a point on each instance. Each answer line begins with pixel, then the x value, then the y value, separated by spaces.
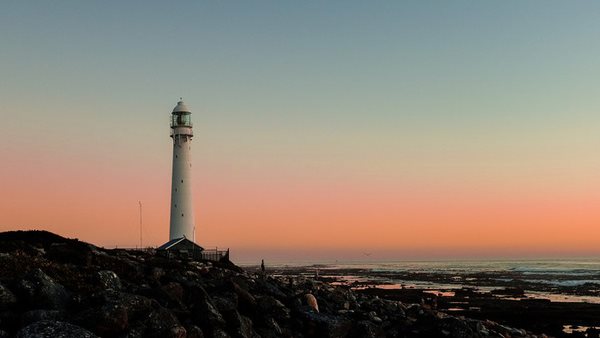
pixel 108 280
pixel 54 329
pixel 7 298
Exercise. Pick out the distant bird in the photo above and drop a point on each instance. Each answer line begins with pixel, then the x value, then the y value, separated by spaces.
pixel 367 254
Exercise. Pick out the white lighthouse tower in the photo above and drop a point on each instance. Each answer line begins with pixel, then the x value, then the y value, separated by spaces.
pixel 182 209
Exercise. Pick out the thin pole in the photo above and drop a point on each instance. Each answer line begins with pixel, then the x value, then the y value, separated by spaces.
pixel 140 202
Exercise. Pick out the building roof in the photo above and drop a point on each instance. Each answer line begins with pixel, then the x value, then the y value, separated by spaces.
pixel 172 244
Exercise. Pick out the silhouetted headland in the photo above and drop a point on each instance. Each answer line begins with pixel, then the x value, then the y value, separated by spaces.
pixel 52 286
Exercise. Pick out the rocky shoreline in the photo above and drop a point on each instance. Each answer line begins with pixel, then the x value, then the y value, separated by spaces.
pixel 51 286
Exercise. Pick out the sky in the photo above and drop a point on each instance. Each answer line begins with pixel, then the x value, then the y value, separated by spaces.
pixel 323 130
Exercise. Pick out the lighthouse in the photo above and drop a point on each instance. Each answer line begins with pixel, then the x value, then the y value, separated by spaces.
pixel 182 208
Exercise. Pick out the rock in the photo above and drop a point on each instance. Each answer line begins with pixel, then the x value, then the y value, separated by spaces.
pixel 162 323
pixel 41 291
pixel 108 280
pixel 107 320
pixel 455 328
pixel 177 332
pixel 194 332
pixel 219 333
pixel 272 307
pixel 312 302
pixel 225 302
pixel 269 287
pixel 324 325
pixel 37 315
pixel 247 302
pixel 238 325
pixel 173 292
pixel 54 329
pixel 374 318
pixel 203 310
pixel 7 298
pixel 77 253
pixel 366 329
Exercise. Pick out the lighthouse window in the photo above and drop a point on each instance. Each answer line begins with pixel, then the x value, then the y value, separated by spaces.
pixel 181 215
pixel 175 205
pixel 176 156
pixel 175 189
pixel 181 181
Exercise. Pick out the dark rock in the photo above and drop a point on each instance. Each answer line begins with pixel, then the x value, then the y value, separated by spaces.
pixel 77 253
pixel 219 333
pixel 238 325
pixel 109 280
pixel 455 328
pixel 269 287
pixel 247 302
pixel 271 329
pixel 225 302
pixel 271 307
pixel 592 332
pixel 366 329
pixel 173 292
pixel 54 329
pixel 203 310
pixel 194 332
pixel 162 323
pixel 7 298
pixel 41 291
pixel 37 315
pixel 176 332
pixel 324 325
pixel 107 320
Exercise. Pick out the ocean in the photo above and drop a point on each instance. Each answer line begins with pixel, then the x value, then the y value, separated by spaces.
pixel 562 280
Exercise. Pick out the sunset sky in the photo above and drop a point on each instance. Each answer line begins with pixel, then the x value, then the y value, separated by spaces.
pixel 323 130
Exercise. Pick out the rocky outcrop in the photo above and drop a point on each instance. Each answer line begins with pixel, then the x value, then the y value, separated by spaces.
pixel 45 292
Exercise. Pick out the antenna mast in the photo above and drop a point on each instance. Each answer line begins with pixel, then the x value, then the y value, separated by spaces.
pixel 140 202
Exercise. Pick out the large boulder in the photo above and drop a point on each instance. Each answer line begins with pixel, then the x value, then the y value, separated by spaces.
pixel 41 291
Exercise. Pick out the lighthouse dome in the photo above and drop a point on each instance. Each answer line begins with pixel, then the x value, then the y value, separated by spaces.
pixel 181 108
